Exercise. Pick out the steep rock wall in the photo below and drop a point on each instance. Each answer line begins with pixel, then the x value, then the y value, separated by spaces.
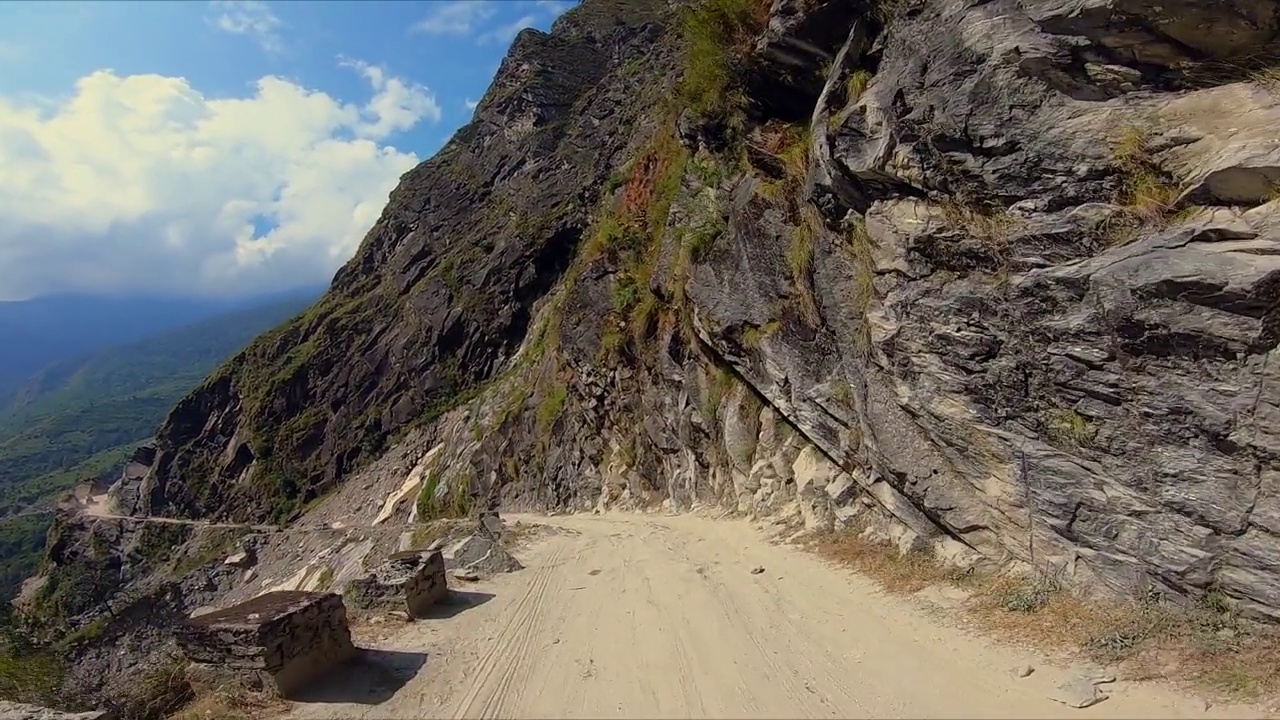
pixel 1035 300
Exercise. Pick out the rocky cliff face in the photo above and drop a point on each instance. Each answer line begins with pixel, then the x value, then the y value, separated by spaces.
pixel 997 277
pixel 1003 272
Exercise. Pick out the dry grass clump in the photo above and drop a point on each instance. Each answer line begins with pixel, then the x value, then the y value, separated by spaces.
pixel 861 245
pixel 897 573
pixel 800 254
pixel 1203 642
pixel 992 227
pixel 856 84
pixel 789 145
pixel 1145 191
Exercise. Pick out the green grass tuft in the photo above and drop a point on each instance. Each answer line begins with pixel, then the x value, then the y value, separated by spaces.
pixel 1071 428
pixel 856 84
pixel 551 407
pixel 754 335
pixel 458 502
pixel 860 246
pixel 800 259
pixel 717 32
pixel 325 580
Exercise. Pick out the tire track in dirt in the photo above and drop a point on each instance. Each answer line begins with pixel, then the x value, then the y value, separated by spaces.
pixel 510 648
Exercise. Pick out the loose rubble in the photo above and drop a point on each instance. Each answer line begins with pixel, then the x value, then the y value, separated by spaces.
pixel 20 711
pixel 243 559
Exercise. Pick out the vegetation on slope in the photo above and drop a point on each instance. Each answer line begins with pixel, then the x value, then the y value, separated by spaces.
pixel 270 377
pixel 718 32
pixel 26 674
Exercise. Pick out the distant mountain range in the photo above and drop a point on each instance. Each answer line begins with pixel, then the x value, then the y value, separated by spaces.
pixel 40 332
pixel 78 417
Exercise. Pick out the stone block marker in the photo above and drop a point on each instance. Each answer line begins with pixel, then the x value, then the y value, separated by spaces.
pixel 412 581
pixel 280 641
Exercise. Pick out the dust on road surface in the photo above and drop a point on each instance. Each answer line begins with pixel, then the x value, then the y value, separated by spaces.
pixel 643 616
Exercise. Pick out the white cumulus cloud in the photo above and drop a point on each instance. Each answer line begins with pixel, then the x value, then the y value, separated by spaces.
pixel 456 17
pixel 142 182
pixel 252 18
pixel 555 7
pixel 507 31
pixel 397 106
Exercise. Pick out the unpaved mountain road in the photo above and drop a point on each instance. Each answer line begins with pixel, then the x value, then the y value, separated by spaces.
pixel 642 616
pixel 99 506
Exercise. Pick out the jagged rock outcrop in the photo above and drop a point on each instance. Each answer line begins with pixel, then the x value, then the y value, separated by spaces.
pixel 111 594
pixel 997 278
pixel 1054 351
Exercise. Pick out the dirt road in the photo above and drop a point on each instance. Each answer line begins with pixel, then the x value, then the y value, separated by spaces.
pixel 99 506
pixel 661 617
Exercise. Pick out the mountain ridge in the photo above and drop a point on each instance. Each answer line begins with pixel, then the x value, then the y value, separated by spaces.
pixel 142 378
pixel 58 328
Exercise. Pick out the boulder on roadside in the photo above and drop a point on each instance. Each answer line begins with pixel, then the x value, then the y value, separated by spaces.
pixel 244 558
pixel 481 554
pixel 491 525
pixel 280 641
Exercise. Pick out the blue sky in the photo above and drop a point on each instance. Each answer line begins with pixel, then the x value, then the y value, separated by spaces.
pixel 225 147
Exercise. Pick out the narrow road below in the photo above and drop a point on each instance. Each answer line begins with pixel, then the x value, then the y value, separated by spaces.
pixel 634 616
pixel 99 506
